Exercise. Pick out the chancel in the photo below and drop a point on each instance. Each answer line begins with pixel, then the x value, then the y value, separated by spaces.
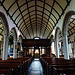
pixel 37 37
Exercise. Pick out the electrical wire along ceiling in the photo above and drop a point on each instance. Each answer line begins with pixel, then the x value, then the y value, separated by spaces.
pixel 35 18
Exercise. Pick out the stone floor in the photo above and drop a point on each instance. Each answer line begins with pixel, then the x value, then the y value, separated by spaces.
pixel 35 68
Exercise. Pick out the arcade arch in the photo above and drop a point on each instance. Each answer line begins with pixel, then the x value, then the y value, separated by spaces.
pixel 4 31
pixel 13 43
pixel 58 43
pixel 53 53
pixel 65 33
pixel 20 49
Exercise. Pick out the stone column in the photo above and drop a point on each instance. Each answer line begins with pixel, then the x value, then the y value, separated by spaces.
pixel 74 46
pixel 1 48
pixel 21 47
pixel 14 50
pixel 57 47
pixel 21 50
pixel 57 43
pixel 65 47
pixel 5 48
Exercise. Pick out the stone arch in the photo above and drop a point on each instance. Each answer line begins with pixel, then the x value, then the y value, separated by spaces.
pixel 14 33
pixel 64 33
pixel 6 33
pixel 52 50
pixel 14 42
pixel 57 41
pixel 52 38
pixel 20 48
pixel 5 24
pixel 20 38
pixel 20 41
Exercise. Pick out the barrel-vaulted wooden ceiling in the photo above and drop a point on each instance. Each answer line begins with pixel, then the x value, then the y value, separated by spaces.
pixel 35 18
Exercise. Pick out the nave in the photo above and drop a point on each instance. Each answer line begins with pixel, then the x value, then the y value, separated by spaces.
pixel 43 29
pixel 17 66
pixel 36 67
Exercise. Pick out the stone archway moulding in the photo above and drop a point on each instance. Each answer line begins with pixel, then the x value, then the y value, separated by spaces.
pixel 64 33
pixel 52 50
pixel 21 42
pixel 14 33
pixel 15 42
pixel 6 33
pixel 57 41
pixel 21 38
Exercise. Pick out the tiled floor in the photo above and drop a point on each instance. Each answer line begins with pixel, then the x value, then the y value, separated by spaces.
pixel 35 68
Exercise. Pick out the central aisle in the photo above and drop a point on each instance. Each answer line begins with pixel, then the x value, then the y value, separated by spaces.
pixel 35 68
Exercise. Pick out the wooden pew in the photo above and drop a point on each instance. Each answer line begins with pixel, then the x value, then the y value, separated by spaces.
pixel 14 66
pixel 52 68
pixel 54 65
pixel 67 71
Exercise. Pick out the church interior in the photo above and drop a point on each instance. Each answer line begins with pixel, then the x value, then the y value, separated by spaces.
pixel 37 37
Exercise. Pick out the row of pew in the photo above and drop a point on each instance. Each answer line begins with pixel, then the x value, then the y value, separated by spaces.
pixel 17 66
pixel 58 66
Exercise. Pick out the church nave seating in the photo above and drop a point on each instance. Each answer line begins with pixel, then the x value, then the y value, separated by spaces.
pixel 57 66
pixel 17 66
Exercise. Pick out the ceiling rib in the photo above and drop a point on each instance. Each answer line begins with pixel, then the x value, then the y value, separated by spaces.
pixel 36 15
pixel 40 23
pixel 11 18
pixel 40 19
pixel 39 11
pixel 48 18
pixel 29 17
pixel 42 16
pixel 23 18
pixel 68 2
